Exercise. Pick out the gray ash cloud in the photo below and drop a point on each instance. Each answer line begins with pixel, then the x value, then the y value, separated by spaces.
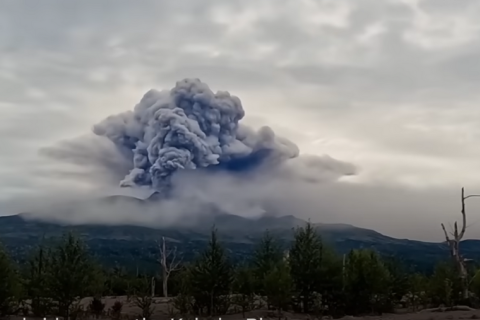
pixel 190 127
pixel 189 146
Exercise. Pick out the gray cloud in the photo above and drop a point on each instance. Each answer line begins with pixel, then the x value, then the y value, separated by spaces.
pixel 388 85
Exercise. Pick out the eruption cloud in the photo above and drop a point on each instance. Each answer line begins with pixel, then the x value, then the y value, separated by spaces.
pixel 188 145
pixel 186 128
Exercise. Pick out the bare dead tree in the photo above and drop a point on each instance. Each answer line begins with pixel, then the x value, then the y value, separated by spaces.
pixel 454 244
pixel 153 286
pixel 169 263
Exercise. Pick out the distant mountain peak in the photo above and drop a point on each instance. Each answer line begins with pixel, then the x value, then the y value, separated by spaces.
pixel 232 225
pixel 335 225
pixel 288 217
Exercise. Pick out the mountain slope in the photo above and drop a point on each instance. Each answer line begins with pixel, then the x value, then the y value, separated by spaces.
pixel 128 245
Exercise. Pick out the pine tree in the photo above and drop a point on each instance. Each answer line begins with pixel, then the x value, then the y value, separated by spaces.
pixel 244 287
pixel 416 288
pixel 36 282
pixel 211 278
pixel 367 282
pixel 444 279
pixel 266 256
pixel 331 284
pixel 278 287
pixel 399 278
pixel 143 298
pixel 475 283
pixel 8 284
pixel 71 273
pixel 306 264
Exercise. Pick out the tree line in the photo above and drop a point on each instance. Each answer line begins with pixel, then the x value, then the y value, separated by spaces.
pixel 309 278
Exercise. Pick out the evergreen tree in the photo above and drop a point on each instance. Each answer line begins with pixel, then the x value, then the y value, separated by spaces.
pixel 266 256
pixel 184 302
pixel 331 285
pixel 211 278
pixel 475 283
pixel 278 286
pixel 9 289
pixel 71 273
pixel 306 264
pixel 416 290
pixel 36 282
pixel 367 283
pixel 117 281
pixel 143 298
pixel 444 286
pixel 399 278
pixel 244 287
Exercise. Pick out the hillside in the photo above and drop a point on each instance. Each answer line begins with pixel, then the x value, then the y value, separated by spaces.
pixel 135 246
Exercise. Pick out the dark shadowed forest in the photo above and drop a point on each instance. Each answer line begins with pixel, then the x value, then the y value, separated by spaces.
pixel 310 278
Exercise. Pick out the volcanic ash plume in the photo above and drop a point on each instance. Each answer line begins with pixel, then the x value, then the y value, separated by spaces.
pixel 189 145
pixel 190 127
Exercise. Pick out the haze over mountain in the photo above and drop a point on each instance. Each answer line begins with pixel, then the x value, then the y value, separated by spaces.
pixel 388 89
pixel 136 245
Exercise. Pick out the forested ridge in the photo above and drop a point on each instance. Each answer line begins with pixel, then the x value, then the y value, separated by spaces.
pixel 308 277
pixel 135 247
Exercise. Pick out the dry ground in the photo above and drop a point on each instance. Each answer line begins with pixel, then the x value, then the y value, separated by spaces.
pixel 161 312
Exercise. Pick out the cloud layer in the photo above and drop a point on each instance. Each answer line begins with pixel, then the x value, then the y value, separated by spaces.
pixel 391 86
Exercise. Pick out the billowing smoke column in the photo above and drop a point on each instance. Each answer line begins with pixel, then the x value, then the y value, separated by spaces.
pixel 190 127
pixel 188 145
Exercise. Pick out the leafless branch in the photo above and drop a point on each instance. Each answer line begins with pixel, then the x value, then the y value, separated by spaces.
pixel 471 196
pixel 446 234
pixel 174 265
pixel 454 243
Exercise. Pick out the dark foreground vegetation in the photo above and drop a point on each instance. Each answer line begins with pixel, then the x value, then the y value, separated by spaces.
pixel 135 247
pixel 309 278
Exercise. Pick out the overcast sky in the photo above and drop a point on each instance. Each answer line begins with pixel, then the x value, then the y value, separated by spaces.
pixel 391 86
